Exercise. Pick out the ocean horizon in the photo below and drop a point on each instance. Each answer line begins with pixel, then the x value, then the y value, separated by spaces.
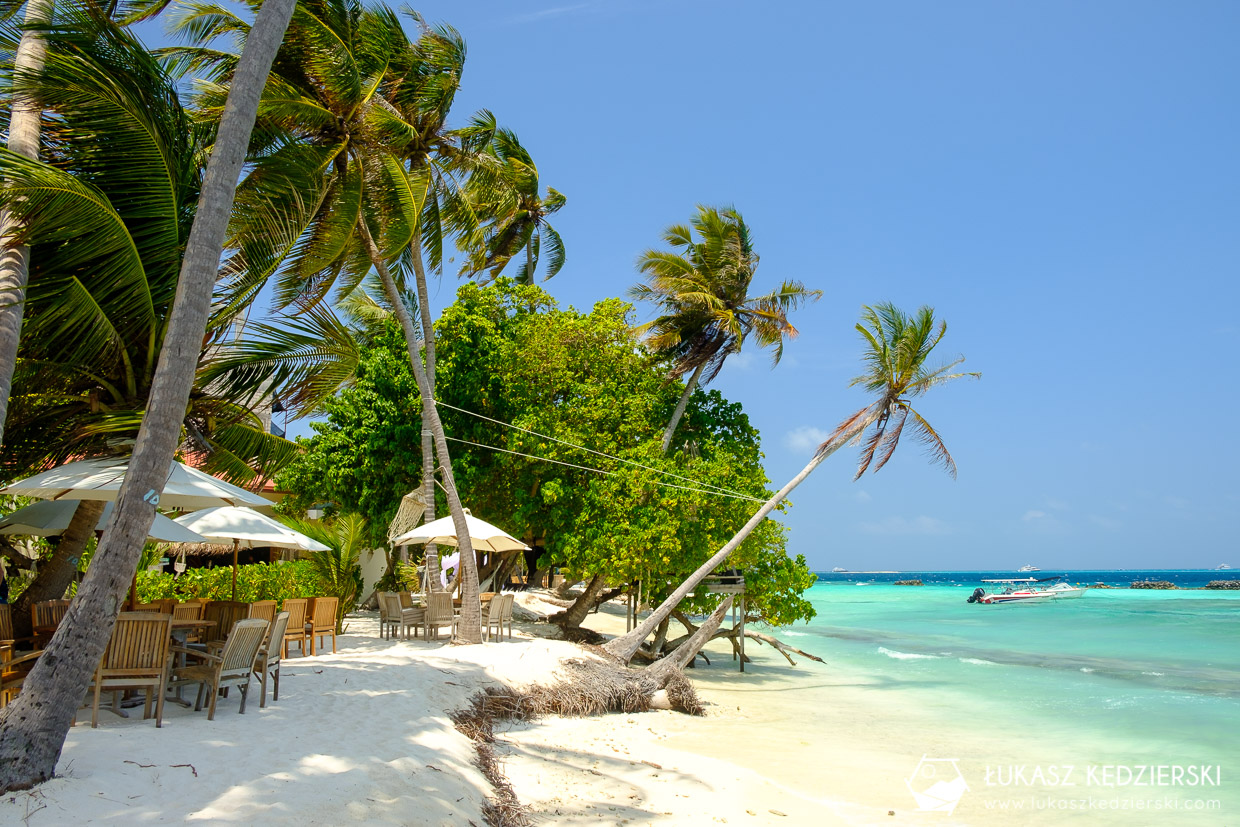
pixel 1119 677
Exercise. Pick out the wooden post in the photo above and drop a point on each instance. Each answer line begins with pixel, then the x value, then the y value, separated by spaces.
pixel 234 581
pixel 742 635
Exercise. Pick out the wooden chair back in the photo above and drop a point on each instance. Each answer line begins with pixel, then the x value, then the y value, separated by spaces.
pixel 47 614
pixel 406 600
pixel 6 625
pixel 136 657
pixel 323 613
pixel 264 610
pixel 189 610
pixel 165 604
pixel 275 636
pixel 225 613
pixel 241 650
pixel 439 607
pixel 296 608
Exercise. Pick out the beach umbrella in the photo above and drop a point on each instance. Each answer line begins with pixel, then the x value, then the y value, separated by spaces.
pixel 49 518
pixel 245 528
pixel 100 479
pixel 483 535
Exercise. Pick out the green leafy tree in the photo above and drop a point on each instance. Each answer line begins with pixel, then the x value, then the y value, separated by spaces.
pixel 701 288
pixel 338 568
pixel 897 347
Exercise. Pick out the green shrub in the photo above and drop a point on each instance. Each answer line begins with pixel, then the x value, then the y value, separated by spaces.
pixel 259 581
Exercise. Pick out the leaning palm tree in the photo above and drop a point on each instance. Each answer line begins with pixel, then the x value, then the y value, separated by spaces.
pixel 34 726
pixel 897 347
pixel 332 194
pixel 701 288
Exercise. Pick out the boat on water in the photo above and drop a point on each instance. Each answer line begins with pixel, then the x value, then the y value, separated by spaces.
pixel 837 569
pixel 1223 567
pixel 1028 567
pixel 1025 590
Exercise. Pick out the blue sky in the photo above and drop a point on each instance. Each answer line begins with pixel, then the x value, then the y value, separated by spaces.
pixel 1058 180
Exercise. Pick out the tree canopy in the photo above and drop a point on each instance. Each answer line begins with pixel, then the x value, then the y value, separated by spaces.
pixel 508 356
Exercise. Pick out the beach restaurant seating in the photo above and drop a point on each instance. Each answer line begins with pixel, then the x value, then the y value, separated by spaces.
pixel 233 666
pixel 388 622
pixel 136 658
pixel 439 613
pixel 268 661
pixel 400 617
pixel 322 620
pixel 296 631
pixel 493 615
pixel 189 610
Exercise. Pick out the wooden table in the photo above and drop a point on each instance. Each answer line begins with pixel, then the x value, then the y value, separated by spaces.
pixel 181 630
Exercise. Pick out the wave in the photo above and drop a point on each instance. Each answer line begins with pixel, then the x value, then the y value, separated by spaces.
pixel 978 662
pixel 891 653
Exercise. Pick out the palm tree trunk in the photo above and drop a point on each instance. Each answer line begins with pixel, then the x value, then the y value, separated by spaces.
pixel 625 646
pixel 690 386
pixel 33 727
pixel 428 439
pixel 24 131
pixel 56 574
pixel 469 627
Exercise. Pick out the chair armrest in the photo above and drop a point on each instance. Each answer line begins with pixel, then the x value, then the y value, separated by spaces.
pixel 194 653
pixel 26 657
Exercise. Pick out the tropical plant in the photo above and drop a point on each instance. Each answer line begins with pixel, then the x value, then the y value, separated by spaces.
pixel 34 726
pixel 897 347
pixel 107 224
pixel 338 567
pixel 701 289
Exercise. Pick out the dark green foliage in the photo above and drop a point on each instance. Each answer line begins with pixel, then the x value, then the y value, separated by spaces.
pixel 508 353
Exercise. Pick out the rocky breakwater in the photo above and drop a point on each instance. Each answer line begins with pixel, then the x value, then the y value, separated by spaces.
pixel 1153 584
pixel 1223 584
pixel 909 583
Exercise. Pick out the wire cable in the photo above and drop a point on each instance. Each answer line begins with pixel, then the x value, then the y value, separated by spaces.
pixel 599 470
pixel 705 485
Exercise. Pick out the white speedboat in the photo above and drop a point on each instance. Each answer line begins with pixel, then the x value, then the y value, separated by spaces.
pixel 1028 567
pixel 1223 567
pixel 1027 590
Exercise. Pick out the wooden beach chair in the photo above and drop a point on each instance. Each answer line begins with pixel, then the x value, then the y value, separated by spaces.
pixel 296 631
pixel 233 666
pixel 136 658
pixel 322 620
pixel 439 613
pixel 264 610
pixel 45 617
pixel 268 661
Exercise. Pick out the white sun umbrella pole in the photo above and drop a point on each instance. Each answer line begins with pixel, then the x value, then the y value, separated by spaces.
pixel 245 528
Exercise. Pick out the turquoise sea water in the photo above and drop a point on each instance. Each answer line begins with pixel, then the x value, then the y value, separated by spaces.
pixel 1119 677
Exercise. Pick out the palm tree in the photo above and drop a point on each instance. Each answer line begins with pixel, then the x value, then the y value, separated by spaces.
pixel 517 214
pixel 24 128
pixel 33 727
pixel 702 292
pixel 333 192
pixel 107 224
pixel 897 348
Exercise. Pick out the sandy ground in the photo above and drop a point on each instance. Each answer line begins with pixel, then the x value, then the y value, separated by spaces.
pixel 363 736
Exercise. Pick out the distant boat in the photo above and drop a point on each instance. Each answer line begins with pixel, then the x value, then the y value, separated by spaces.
pixel 1028 567
pixel 1027 590
pixel 838 569
pixel 1223 567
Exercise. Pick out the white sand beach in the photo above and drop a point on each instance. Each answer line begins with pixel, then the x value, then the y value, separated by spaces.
pixel 364 736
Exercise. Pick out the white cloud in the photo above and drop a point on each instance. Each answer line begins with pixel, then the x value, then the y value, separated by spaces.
pixel 805 439
pixel 899 525
pixel 1033 514
pixel 863 497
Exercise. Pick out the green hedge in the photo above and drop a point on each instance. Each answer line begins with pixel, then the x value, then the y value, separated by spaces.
pixel 259 581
